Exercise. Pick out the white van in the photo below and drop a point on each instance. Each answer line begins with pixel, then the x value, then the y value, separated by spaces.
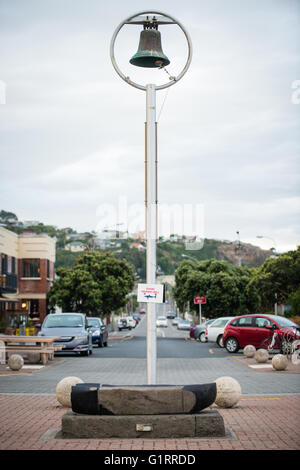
pixel 126 323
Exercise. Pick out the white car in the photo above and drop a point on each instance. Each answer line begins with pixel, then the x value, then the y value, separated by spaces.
pixel 126 322
pixel 215 330
pixel 183 324
pixel 162 321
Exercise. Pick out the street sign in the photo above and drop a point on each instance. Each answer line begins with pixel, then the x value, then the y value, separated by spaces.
pixel 199 300
pixel 151 293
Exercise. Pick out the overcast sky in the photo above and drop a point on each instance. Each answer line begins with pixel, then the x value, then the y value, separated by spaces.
pixel 72 132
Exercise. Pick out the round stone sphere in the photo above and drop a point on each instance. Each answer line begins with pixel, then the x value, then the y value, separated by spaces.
pixel 279 362
pixel 249 350
pixel 63 390
pixel 15 362
pixel 261 356
pixel 228 392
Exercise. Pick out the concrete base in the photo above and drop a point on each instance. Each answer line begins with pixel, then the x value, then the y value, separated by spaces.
pixel 208 423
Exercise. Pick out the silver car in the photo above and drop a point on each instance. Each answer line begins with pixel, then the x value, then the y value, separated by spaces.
pixel 73 332
pixel 183 324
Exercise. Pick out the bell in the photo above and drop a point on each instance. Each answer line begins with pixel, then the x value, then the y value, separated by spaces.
pixel 149 53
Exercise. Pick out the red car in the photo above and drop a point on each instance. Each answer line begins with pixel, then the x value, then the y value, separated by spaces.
pixel 253 329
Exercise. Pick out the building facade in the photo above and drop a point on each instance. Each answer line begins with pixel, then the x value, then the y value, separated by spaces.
pixel 26 275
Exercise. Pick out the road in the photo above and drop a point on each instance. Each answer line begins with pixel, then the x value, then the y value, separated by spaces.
pixel 179 361
pixel 171 343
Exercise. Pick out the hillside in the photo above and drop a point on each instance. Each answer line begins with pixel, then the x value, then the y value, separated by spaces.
pixel 169 253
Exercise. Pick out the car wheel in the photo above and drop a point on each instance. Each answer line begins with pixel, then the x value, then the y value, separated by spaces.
pixel 202 337
pixel 84 353
pixel 220 341
pixel 232 345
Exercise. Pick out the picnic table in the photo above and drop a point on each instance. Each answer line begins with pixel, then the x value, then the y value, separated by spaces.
pixel 27 344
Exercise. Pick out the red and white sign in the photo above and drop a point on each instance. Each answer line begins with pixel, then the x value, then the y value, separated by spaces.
pixel 150 293
pixel 199 300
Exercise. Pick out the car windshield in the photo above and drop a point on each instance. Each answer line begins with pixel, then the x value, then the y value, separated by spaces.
pixel 93 322
pixel 63 321
pixel 161 318
pixel 285 322
pixel 219 323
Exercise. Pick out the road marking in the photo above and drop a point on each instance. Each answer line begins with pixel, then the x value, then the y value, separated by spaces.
pixel 268 398
pixel 9 375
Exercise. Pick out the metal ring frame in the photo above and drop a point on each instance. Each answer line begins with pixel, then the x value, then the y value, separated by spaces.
pixel 126 78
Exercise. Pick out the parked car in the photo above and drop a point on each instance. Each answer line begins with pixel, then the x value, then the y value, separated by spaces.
pixel 99 331
pixel 183 324
pixel 142 311
pixel 162 321
pixel 199 331
pixel 214 331
pixel 253 329
pixel 72 330
pixel 176 320
pixel 126 323
pixel 171 315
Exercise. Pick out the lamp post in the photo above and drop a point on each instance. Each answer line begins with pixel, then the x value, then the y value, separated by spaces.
pixel 274 247
pixel 150 55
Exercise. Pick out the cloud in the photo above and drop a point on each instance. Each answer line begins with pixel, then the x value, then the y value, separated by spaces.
pixel 72 132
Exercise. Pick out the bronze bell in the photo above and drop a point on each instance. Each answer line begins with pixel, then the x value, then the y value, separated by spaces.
pixel 149 53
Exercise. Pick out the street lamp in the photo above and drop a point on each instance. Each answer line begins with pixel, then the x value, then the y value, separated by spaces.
pixel 150 55
pixel 270 238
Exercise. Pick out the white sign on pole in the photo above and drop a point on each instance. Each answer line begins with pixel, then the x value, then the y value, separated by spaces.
pixel 151 293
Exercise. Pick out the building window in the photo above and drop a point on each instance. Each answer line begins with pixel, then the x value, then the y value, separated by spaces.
pixel 31 268
pixel 48 269
pixel 4 264
pixel 34 309
pixel 13 265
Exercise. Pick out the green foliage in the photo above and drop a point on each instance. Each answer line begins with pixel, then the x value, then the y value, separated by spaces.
pixel 226 288
pixel 277 279
pixel 65 259
pixel 97 285
pixel 294 302
pixel 5 217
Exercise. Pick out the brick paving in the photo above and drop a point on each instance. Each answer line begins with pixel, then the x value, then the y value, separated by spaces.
pixel 31 422
pixel 266 418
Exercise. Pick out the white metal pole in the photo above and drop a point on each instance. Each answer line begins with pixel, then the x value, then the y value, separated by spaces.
pixel 200 314
pixel 151 225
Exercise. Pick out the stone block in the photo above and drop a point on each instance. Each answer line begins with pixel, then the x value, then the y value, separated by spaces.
pixel 92 398
pixel 207 423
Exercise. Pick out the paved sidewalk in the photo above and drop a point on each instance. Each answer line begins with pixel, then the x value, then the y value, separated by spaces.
pixel 31 422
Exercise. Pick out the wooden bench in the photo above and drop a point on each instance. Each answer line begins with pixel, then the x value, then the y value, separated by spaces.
pixel 46 353
pixel 42 345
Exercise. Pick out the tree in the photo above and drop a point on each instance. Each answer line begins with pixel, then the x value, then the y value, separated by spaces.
pixel 277 279
pixel 294 302
pixel 6 217
pixel 97 285
pixel 226 288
